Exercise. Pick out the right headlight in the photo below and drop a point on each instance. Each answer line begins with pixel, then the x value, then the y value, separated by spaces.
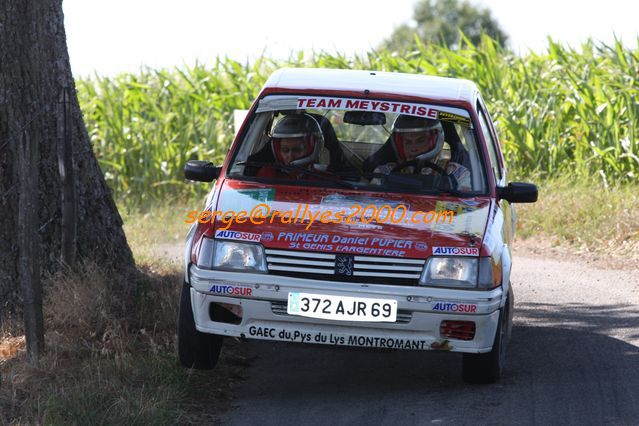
pixel 450 272
pixel 460 272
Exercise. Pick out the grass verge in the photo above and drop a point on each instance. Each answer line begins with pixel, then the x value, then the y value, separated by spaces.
pixel 584 216
pixel 110 357
pixel 154 232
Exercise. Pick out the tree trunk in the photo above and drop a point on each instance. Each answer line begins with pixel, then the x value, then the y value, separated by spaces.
pixel 34 72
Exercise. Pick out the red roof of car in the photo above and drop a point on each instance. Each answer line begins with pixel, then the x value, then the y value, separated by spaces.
pixel 424 86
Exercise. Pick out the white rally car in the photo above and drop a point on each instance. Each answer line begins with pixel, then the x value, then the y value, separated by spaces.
pixel 343 177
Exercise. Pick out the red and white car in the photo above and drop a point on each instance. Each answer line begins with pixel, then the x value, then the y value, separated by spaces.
pixel 379 155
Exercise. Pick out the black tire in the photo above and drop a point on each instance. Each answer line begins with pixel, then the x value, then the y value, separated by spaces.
pixel 487 368
pixel 195 349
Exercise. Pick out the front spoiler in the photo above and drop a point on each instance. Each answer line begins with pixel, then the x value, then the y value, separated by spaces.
pixel 259 296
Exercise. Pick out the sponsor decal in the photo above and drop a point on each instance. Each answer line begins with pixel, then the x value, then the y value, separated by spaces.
pixel 267 236
pixel 455 307
pixel 236 235
pixel 262 195
pixel 460 173
pixel 233 201
pixel 231 289
pixel 349 200
pixel 455 251
pixel 407 108
pixel 385 342
pixel 467 218
pixel 373 246
pixel 338 338
pixel 360 225
pixel 267 332
pixel 447 116
pixel 421 246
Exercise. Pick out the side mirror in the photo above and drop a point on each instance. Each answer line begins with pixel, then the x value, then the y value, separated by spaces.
pixel 201 171
pixel 518 192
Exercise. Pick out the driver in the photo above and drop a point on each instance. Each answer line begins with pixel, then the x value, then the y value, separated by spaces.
pixel 421 139
pixel 296 140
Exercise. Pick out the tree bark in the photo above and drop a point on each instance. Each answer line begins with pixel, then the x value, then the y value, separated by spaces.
pixel 29 248
pixel 34 70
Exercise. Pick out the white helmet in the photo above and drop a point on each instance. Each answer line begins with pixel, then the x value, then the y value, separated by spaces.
pixel 303 128
pixel 427 146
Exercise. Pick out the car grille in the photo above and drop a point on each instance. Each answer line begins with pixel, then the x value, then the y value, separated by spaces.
pixel 403 317
pixel 344 267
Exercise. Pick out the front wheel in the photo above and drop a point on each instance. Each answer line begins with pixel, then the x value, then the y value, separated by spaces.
pixel 195 349
pixel 486 368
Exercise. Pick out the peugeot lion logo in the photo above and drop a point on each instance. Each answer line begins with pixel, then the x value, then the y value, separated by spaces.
pixel 344 264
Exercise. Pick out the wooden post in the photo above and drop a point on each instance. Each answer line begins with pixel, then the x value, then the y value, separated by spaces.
pixel 65 164
pixel 29 246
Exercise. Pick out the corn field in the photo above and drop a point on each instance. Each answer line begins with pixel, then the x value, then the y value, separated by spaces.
pixel 567 112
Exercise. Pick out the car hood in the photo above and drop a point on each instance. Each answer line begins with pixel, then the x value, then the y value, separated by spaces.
pixel 294 228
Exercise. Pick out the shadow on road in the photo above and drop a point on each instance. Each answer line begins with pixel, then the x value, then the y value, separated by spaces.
pixel 570 372
pixel 604 319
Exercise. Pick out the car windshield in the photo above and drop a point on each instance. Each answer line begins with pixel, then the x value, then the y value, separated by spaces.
pixel 380 145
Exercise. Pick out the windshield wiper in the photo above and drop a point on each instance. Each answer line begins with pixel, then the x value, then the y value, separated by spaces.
pixel 452 191
pixel 289 167
pixel 404 180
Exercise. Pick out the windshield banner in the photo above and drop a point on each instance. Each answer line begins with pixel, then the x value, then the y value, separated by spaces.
pixel 285 102
pixel 366 105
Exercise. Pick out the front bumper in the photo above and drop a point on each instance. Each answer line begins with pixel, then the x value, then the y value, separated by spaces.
pixel 263 299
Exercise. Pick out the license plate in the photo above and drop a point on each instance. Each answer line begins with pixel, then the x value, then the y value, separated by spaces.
pixel 342 308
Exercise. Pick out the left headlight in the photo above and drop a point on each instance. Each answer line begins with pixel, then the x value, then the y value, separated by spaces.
pixel 450 272
pixel 231 255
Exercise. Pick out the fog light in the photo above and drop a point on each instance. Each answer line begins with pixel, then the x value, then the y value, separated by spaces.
pixel 225 312
pixel 461 330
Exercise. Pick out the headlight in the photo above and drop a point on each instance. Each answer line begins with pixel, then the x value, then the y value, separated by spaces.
pixel 490 274
pixel 450 272
pixel 233 255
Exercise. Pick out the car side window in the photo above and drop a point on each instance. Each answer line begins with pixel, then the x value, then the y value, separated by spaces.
pixel 490 144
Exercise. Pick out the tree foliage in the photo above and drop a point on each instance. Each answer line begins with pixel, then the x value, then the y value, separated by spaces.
pixel 441 21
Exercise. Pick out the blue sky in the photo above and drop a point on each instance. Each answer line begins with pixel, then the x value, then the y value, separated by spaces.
pixel 121 35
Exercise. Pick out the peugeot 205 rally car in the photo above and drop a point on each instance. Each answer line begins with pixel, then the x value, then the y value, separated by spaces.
pixel 356 208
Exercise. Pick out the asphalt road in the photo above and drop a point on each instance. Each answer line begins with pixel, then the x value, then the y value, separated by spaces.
pixel 573 359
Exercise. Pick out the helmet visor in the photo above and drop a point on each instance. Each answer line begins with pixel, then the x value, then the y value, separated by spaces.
pixel 293 148
pixel 410 144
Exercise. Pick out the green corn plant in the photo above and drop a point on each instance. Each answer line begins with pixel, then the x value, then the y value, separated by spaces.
pixel 567 111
